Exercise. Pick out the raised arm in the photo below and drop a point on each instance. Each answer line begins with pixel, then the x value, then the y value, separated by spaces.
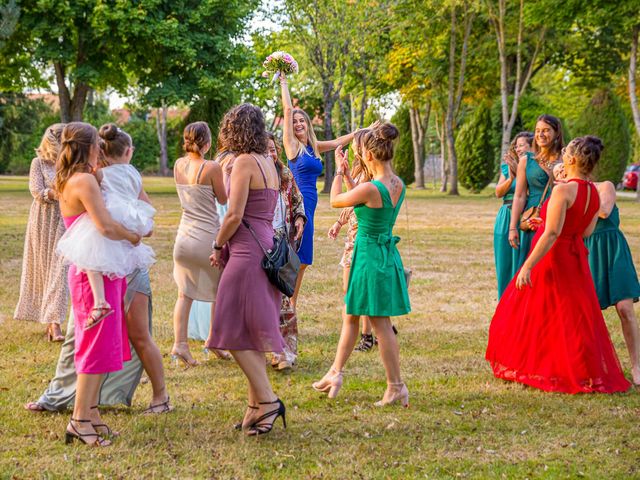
pixel 357 196
pixel 519 202
pixel 326 145
pixel 556 212
pixel 503 185
pixel 607 193
pixel 37 185
pixel 289 140
pixel 90 196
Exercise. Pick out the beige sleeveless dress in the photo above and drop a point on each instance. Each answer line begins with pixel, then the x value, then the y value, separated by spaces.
pixel 199 225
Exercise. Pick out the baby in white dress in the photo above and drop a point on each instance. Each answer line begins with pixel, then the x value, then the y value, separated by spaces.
pixel 96 255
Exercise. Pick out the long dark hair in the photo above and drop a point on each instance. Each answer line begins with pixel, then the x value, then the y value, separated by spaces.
pixel 558 141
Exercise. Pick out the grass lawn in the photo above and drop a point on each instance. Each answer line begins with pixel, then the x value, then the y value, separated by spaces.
pixel 462 422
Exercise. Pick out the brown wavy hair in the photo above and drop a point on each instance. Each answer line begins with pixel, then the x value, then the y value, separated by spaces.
pixel 380 141
pixel 77 139
pixel 558 141
pixel 196 136
pixel 244 129
pixel 49 147
pixel 113 140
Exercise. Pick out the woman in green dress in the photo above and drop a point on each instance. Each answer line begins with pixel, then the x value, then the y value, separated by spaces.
pixel 613 272
pixel 534 171
pixel 506 258
pixel 377 285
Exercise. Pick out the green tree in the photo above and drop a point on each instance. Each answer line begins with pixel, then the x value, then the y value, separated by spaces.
pixel 403 157
pixel 604 118
pixel 476 150
pixel 187 52
pixel 22 123
pixel 83 45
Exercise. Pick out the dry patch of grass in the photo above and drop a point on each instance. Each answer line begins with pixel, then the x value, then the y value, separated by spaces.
pixel 462 422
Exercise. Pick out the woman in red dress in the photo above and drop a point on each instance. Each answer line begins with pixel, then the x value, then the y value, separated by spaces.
pixel 548 331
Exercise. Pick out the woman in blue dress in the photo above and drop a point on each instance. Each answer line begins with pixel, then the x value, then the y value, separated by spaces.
pixel 506 258
pixel 303 151
pixel 533 174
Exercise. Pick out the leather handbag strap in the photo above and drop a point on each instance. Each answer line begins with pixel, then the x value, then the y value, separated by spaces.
pixel 544 193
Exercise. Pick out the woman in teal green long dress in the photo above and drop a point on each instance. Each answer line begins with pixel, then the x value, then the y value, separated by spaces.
pixel 377 285
pixel 613 272
pixel 506 258
pixel 534 171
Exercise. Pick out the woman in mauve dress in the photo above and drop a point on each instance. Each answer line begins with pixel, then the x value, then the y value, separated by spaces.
pixel 248 306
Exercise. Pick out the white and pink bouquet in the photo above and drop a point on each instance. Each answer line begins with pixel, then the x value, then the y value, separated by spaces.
pixel 279 62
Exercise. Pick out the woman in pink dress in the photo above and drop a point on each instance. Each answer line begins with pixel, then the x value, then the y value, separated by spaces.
pixel 104 348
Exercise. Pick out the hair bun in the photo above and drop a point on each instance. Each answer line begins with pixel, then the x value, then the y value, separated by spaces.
pixel 594 142
pixel 109 131
pixel 387 131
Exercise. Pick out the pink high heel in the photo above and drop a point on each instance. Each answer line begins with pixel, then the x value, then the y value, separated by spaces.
pixel 401 395
pixel 330 384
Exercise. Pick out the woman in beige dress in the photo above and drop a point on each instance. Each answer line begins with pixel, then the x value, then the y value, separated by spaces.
pixel 44 293
pixel 199 184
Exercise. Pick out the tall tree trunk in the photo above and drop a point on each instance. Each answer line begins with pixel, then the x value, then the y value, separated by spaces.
pixel 417 139
pixel 64 96
pixel 363 104
pixel 161 130
pixel 79 100
pixel 444 166
pixel 633 66
pixel 449 117
pixel 522 77
pixel 328 135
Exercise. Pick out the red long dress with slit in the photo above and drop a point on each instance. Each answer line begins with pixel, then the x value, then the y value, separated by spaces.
pixel 552 335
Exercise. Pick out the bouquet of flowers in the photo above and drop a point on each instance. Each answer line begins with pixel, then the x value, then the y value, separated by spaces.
pixel 279 62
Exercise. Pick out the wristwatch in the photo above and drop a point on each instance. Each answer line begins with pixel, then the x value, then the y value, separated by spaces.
pixel 216 246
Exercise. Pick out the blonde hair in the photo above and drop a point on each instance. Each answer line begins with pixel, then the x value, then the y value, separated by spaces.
pixel 77 139
pixel 311 134
pixel 50 144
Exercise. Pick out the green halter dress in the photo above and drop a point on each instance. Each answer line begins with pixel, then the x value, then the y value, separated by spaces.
pixel 377 285
pixel 610 261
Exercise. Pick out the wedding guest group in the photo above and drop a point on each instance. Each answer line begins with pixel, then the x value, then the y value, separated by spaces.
pixel 90 217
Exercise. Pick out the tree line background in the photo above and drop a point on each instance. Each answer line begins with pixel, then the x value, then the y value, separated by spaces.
pixel 461 76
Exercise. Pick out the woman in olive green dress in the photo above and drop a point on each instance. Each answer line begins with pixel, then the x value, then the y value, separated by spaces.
pixel 506 258
pixel 534 172
pixel 377 285
pixel 613 272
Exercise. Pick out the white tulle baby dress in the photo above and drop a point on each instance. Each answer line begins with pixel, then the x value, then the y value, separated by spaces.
pixel 84 246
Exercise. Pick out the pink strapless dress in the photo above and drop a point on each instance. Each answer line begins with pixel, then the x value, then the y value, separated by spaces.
pixel 105 347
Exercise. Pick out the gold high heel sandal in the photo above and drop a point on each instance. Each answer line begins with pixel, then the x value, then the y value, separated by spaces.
pixel 52 336
pixel 330 384
pixel 401 395
pixel 185 356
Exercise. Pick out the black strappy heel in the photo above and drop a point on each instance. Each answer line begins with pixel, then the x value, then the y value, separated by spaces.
pixel 259 427
pixel 166 408
pixel 367 341
pixel 238 426
pixel 69 437
pixel 108 432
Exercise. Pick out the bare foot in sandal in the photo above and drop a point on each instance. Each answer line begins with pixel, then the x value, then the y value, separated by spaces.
pixel 98 313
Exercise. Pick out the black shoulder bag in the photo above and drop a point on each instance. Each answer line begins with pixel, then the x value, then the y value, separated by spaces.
pixel 281 263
